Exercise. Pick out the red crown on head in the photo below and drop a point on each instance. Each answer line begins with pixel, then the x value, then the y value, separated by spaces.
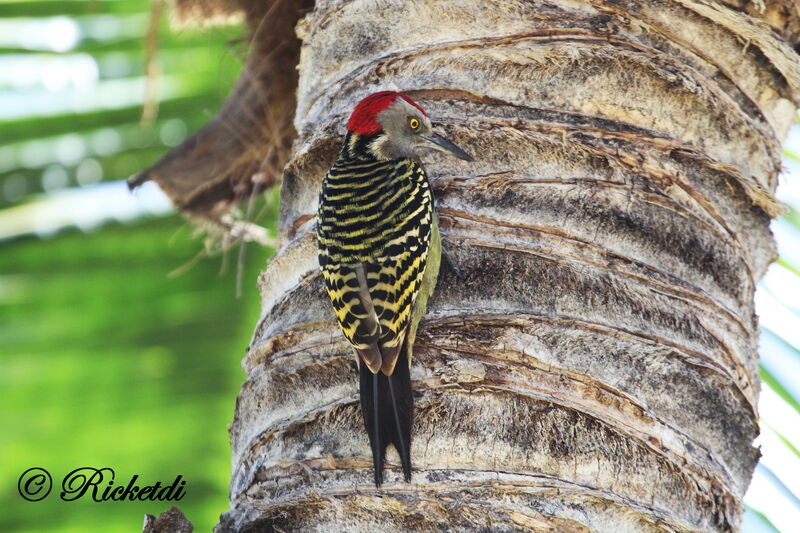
pixel 364 119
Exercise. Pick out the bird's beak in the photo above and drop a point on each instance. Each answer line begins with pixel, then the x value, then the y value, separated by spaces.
pixel 437 142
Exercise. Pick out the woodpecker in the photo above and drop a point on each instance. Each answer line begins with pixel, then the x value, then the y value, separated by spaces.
pixel 379 252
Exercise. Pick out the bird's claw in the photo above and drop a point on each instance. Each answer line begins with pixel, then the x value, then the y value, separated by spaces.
pixel 452 264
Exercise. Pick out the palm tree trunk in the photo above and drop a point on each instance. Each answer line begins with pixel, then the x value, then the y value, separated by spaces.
pixel 596 370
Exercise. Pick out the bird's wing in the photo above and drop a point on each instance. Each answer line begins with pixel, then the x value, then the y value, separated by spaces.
pixel 373 295
pixel 373 301
pixel 393 285
pixel 346 285
pixel 426 285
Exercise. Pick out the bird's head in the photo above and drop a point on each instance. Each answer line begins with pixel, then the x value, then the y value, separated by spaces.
pixel 390 125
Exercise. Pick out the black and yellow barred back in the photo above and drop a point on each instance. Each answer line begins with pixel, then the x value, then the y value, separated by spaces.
pixel 374 226
pixel 380 251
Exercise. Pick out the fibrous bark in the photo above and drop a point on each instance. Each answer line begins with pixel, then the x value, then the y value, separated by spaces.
pixel 596 370
pixel 242 151
pixel 170 521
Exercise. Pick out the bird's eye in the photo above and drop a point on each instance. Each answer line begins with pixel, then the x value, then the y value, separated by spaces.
pixel 413 123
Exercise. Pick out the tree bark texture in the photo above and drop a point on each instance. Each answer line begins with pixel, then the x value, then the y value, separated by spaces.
pixel 596 370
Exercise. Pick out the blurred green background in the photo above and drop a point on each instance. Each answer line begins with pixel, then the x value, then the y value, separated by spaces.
pixel 108 358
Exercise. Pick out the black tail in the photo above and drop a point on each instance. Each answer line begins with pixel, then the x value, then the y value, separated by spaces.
pixel 388 409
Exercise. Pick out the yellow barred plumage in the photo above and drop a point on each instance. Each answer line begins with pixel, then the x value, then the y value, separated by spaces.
pixel 379 251
pixel 378 215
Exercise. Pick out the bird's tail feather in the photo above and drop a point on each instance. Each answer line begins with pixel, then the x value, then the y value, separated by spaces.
pixel 388 406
